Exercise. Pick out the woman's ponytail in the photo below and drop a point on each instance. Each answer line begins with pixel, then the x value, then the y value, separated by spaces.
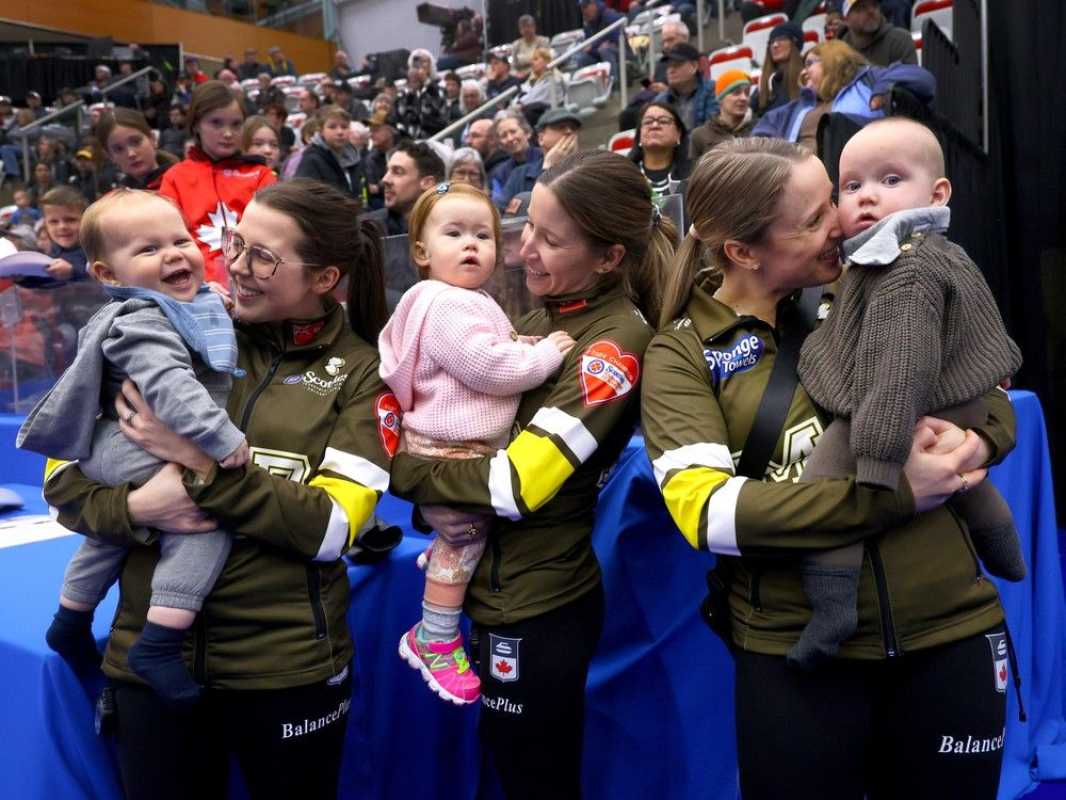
pixel 687 263
pixel 367 311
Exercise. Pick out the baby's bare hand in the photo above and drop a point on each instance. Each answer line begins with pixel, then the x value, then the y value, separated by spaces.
pixel 562 341
pixel 529 339
pixel 238 458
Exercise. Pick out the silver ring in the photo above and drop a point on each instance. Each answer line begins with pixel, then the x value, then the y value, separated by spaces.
pixel 965 485
pixel 130 416
pixel 471 531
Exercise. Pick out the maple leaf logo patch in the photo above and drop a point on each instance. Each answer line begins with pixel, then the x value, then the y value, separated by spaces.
pixel 220 219
pixel 504 654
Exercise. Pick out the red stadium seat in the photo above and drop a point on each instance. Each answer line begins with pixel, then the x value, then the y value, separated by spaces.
pixel 940 11
pixel 726 58
pixel 622 142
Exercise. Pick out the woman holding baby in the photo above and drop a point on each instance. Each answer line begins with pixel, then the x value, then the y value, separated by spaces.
pixel 921 680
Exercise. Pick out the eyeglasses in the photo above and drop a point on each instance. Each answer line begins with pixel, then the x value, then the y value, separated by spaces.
pixel 261 261
pixel 662 122
pixel 810 61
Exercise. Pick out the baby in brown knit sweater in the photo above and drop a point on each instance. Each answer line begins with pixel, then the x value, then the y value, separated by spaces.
pixel 914 330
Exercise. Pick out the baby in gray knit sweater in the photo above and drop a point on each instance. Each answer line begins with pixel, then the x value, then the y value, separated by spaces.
pixel 914 331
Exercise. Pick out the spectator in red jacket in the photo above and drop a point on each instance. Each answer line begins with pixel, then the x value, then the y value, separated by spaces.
pixel 215 183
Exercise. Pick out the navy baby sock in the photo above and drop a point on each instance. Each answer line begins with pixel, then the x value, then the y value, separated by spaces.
pixel 156 657
pixel 71 635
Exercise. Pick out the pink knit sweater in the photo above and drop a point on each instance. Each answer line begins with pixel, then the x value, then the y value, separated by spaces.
pixel 449 355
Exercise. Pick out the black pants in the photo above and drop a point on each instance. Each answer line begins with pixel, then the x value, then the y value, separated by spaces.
pixel 927 725
pixel 533 697
pixel 287 742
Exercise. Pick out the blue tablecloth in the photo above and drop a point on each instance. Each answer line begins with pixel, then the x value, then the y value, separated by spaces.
pixel 660 709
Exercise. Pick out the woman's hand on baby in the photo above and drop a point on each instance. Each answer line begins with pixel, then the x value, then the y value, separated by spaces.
pixel 145 430
pixel 238 458
pixel 562 340
pixel 162 503
pixel 222 292
pixel 456 527
pixel 935 477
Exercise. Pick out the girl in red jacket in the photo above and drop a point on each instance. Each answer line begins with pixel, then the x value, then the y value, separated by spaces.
pixel 215 183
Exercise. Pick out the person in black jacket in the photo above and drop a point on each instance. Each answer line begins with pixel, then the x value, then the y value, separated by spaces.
pixel 330 157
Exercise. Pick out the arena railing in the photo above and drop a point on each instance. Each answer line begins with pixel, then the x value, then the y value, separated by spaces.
pixel 74 108
pixel 619 26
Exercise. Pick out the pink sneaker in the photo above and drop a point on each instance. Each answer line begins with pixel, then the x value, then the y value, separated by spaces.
pixel 444 667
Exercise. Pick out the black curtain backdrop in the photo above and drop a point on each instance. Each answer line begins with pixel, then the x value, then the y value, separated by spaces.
pixel 552 16
pixel 1009 207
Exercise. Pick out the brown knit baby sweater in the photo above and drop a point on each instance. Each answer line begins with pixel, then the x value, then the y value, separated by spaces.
pixel 904 339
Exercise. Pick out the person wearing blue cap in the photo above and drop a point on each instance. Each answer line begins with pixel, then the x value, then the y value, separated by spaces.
pixel 880 42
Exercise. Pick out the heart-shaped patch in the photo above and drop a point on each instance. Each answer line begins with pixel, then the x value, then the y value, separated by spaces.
pixel 607 372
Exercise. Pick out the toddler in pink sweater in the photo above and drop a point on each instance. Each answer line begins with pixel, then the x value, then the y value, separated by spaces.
pixel 458 369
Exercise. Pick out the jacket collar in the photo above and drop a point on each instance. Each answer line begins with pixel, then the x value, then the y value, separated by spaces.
pixel 293 336
pixel 236 160
pixel 714 320
pixel 879 244
pixel 578 303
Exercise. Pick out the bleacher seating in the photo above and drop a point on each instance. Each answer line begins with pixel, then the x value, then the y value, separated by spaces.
pixel 561 42
pixel 939 11
pixel 472 71
pixel 284 81
pixel 622 142
pixel 589 88
pixel 312 79
pixel 816 23
pixel 810 39
pixel 248 84
pixel 726 58
pixel 757 33
pixel 918 41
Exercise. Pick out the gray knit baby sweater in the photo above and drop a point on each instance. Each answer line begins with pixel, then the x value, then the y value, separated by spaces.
pixel 914 328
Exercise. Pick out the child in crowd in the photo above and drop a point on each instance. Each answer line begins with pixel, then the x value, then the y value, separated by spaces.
pixel 215 182
pixel 171 336
pixel 25 213
pixel 913 331
pixel 330 157
pixel 260 139
pixel 457 368
pixel 62 208
pixel 307 133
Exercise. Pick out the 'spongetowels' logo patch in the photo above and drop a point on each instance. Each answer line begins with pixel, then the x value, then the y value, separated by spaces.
pixel 741 357
pixel 607 372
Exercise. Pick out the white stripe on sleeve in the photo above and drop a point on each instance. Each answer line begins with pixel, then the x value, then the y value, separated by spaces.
pixel 501 491
pixel 568 428
pixel 335 542
pixel 722 518
pixel 702 454
pixel 355 468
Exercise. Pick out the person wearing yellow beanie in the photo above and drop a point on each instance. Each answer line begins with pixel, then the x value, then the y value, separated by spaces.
pixel 734 114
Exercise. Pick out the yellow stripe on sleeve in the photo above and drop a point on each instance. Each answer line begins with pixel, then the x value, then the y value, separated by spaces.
pixel 686 495
pixel 357 501
pixel 51 466
pixel 541 466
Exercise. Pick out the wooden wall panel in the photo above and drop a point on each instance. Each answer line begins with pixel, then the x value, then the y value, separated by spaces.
pixel 140 21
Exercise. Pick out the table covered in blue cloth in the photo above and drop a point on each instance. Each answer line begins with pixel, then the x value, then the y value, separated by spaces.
pixel 660 692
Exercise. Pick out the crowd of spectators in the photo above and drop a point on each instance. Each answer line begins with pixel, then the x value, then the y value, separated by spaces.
pixel 356 129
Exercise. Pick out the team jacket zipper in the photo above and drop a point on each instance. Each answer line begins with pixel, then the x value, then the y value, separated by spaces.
pixel 200 634
pixel 888 630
